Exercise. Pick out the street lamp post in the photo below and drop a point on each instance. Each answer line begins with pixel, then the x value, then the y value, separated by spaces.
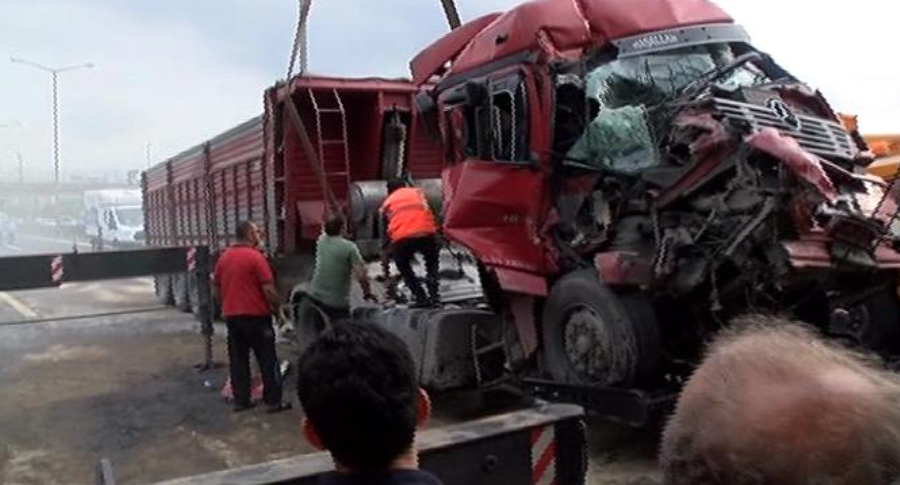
pixel 12 144
pixel 54 72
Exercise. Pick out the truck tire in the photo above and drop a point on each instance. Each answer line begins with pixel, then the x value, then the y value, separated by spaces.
pixel 193 293
pixel 593 336
pixel 180 291
pixel 162 285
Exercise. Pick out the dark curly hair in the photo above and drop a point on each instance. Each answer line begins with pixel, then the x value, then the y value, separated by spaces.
pixel 358 387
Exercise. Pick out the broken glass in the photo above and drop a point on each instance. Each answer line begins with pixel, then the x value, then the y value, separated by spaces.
pixel 620 137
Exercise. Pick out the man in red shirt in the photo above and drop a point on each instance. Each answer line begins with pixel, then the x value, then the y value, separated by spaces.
pixel 245 287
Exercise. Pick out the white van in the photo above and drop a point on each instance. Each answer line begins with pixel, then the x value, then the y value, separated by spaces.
pixel 113 218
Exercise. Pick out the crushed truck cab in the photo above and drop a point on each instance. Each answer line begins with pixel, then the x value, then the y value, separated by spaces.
pixel 630 175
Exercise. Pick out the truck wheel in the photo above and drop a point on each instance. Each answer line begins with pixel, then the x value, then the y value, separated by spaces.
pixel 181 293
pixel 163 287
pixel 592 336
pixel 193 293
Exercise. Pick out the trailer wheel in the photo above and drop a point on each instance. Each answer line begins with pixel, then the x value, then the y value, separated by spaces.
pixel 162 285
pixel 193 293
pixel 592 336
pixel 181 292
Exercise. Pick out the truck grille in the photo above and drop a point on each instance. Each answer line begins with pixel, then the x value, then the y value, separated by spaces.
pixel 824 138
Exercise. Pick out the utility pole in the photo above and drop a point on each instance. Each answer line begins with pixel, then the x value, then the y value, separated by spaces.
pixel 54 72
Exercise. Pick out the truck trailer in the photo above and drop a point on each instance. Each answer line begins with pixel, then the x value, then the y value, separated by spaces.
pixel 362 129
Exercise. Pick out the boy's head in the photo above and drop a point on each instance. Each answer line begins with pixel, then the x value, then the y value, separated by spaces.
pixel 357 384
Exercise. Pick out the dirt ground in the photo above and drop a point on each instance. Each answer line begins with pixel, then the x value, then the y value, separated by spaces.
pixel 126 389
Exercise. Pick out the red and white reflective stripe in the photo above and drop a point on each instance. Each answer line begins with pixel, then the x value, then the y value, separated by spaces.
pixel 543 456
pixel 191 259
pixel 56 269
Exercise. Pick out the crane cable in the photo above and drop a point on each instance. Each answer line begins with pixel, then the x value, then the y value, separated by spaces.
pixel 300 49
pixel 300 39
pixel 332 207
pixel 451 13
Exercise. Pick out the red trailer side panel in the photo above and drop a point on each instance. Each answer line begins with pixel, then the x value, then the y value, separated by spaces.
pixel 236 180
pixel 188 197
pixel 157 206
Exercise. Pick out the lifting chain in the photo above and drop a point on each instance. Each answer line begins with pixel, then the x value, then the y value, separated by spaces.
pixel 400 163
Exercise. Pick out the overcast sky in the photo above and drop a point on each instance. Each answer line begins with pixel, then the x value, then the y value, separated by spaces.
pixel 172 73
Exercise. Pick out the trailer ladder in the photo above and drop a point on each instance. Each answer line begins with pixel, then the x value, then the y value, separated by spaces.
pixel 331 132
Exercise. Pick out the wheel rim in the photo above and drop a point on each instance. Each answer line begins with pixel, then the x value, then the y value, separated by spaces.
pixel 589 346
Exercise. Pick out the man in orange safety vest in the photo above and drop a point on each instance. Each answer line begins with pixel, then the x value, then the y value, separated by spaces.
pixel 411 229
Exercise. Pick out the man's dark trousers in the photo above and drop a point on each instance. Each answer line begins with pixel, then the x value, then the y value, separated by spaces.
pixel 404 251
pixel 246 334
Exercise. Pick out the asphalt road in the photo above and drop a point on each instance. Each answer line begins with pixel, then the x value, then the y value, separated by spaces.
pixel 123 387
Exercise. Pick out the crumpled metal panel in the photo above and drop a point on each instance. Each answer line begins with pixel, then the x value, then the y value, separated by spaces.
pixel 804 164
pixel 811 253
pixel 613 19
pixel 432 60
pixel 490 208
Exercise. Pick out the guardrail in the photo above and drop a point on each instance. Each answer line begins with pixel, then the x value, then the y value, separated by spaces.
pixel 542 445
pixel 52 270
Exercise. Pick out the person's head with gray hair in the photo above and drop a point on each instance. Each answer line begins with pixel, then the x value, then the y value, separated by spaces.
pixel 773 403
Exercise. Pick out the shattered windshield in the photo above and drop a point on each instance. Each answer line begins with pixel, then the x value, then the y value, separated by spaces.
pixel 620 136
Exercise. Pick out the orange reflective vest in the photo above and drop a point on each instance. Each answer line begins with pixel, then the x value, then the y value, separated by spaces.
pixel 408 214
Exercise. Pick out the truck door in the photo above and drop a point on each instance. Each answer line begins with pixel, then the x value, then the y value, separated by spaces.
pixel 494 187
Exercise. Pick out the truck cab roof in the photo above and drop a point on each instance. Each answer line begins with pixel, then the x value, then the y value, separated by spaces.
pixel 557 26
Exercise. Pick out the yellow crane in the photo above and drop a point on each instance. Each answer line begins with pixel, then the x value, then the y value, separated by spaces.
pixel 885 147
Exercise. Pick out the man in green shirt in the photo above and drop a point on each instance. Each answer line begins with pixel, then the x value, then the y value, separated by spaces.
pixel 337 261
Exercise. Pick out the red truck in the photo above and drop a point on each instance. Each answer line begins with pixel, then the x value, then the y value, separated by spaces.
pixel 622 177
pixel 631 174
